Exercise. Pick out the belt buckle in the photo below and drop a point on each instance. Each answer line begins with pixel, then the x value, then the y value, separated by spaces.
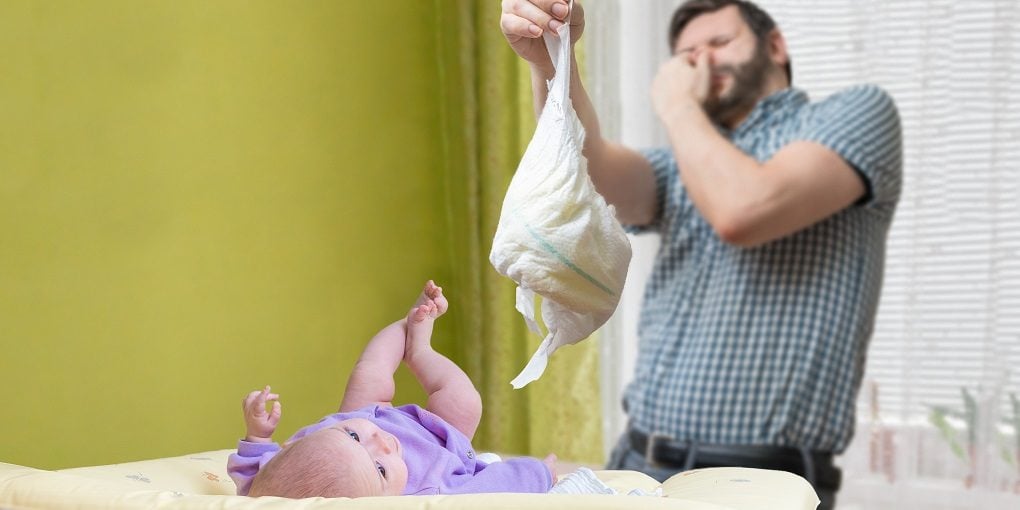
pixel 650 448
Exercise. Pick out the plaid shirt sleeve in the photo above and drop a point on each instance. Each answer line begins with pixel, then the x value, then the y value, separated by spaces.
pixel 667 180
pixel 861 125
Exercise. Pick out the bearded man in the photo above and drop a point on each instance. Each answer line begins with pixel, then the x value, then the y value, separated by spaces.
pixel 773 212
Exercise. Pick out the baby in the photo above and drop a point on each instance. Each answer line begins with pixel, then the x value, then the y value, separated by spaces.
pixel 371 448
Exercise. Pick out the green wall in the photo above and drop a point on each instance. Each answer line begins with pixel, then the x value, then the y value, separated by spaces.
pixel 198 198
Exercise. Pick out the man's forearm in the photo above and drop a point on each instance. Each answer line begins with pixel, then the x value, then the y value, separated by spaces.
pixel 722 181
pixel 622 176
pixel 539 87
pixel 579 99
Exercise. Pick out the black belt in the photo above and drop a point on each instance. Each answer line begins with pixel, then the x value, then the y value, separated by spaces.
pixel 663 451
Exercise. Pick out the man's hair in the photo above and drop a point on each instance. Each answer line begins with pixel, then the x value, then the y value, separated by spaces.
pixel 759 21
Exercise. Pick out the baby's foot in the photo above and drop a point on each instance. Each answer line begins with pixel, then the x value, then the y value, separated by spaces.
pixel 419 328
pixel 422 313
pixel 434 293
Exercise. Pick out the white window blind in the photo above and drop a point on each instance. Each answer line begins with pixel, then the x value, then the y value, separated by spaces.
pixel 949 317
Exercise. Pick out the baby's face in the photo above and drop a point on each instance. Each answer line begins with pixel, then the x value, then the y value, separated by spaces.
pixel 373 458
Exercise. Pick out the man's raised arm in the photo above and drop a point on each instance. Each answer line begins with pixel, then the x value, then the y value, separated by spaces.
pixel 621 175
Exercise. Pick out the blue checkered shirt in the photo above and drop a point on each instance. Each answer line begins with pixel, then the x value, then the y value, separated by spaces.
pixel 767 345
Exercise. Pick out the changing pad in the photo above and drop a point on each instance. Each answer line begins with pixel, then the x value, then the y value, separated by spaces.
pixel 200 481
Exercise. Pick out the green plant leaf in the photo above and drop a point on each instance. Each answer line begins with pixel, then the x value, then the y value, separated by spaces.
pixel 946 411
pixel 971 416
pixel 937 417
pixel 1004 450
pixel 1016 420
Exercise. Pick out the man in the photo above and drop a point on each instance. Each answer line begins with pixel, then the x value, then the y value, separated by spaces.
pixel 773 213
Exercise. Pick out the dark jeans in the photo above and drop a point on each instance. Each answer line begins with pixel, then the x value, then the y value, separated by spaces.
pixel 624 456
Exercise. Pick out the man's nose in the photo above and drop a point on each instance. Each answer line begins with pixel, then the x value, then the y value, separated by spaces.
pixel 695 54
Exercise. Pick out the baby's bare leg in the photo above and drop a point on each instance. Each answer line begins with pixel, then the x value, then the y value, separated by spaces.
pixel 452 396
pixel 431 303
pixel 371 381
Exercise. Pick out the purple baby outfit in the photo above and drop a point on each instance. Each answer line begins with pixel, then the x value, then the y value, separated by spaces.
pixel 439 457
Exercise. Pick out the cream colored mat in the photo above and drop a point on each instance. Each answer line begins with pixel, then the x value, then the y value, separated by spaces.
pixel 200 480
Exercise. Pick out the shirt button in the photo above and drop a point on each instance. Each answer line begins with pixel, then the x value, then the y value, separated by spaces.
pixel 470 454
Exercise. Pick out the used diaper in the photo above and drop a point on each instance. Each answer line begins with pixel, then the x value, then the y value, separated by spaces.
pixel 557 237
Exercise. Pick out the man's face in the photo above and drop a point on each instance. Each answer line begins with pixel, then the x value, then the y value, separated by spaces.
pixel 739 64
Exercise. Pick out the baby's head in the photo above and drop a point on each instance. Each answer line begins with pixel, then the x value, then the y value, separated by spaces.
pixel 353 458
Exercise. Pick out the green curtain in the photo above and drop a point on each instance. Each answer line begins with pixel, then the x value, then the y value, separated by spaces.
pixel 487 122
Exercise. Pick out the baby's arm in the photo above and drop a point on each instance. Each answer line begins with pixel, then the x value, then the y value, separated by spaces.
pixel 246 463
pixel 257 447
pixel 522 474
pixel 371 381
pixel 452 396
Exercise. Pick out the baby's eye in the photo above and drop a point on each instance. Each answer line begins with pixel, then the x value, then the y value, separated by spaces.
pixel 382 470
pixel 354 435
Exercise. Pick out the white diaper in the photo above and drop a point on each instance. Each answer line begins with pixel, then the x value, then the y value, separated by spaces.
pixel 488 457
pixel 584 481
pixel 557 237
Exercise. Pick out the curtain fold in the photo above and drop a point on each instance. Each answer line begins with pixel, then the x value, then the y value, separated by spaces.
pixel 486 124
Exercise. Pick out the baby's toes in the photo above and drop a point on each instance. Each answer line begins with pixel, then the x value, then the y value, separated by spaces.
pixel 418 313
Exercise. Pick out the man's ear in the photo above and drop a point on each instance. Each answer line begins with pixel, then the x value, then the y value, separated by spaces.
pixel 777 49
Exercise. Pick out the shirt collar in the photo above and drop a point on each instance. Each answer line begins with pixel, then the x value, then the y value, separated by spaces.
pixel 764 109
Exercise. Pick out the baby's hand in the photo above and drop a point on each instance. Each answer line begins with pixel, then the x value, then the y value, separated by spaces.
pixel 260 423
pixel 550 462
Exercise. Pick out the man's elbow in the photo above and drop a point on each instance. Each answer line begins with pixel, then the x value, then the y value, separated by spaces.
pixel 738 229
pixel 734 234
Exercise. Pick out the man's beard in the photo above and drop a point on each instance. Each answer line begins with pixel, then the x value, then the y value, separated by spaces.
pixel 748 83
